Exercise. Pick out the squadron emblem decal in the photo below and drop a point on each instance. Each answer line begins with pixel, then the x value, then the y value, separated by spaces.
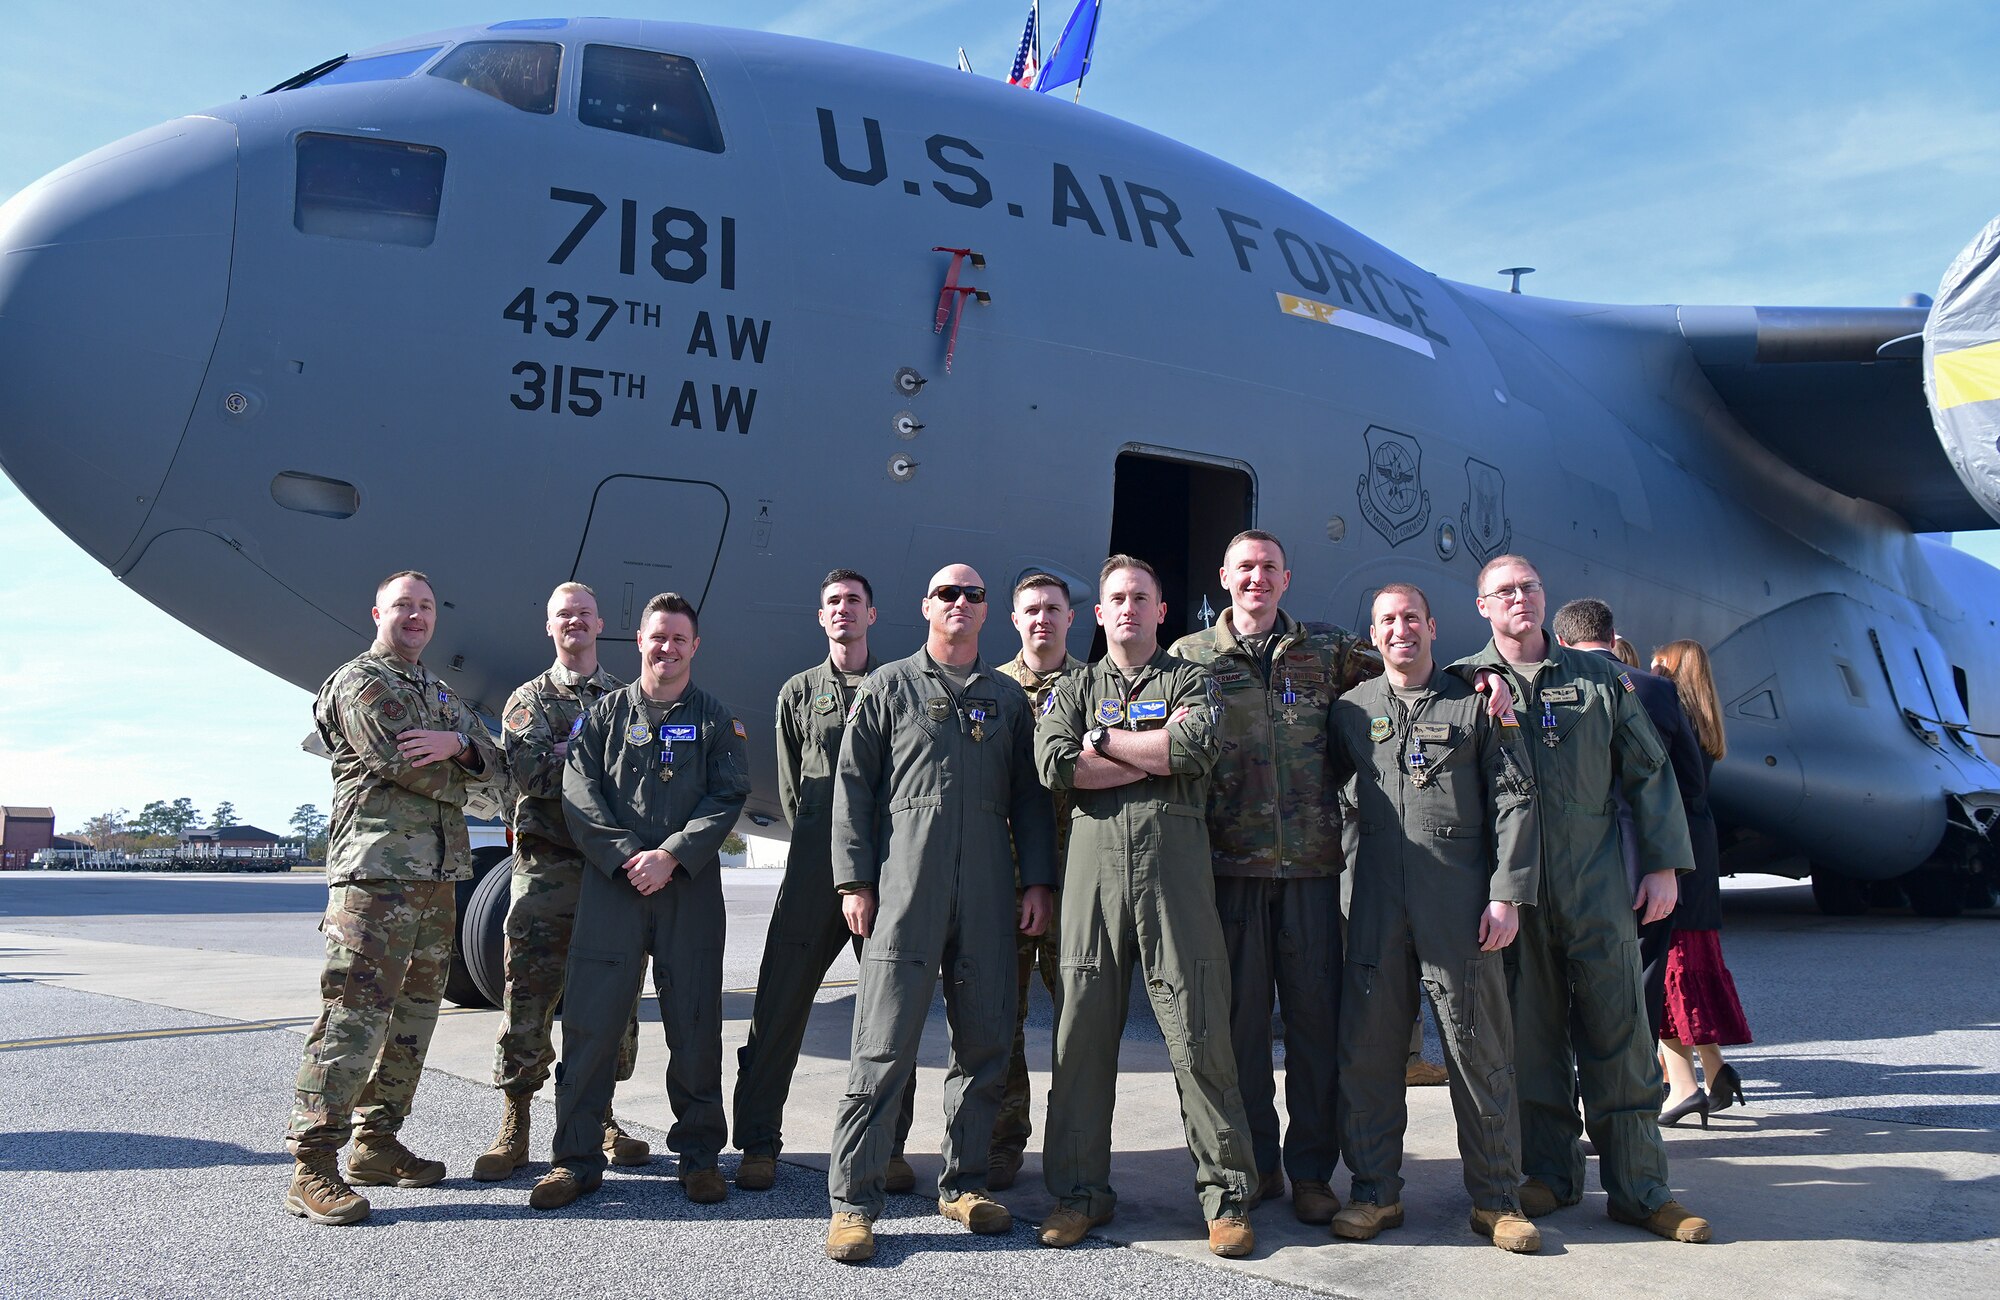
pixel 1393 499
pixel 1484 515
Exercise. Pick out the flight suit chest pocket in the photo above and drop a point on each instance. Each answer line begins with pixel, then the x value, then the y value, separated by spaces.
pixel 1558 711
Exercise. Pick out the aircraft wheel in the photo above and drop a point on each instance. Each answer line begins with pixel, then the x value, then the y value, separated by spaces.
pixel 1935 893
pixel 1839 895
pixel 1979 894
pixel 482 933
pixel 459 986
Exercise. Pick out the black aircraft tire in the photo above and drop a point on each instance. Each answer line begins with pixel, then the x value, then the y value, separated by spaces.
pixel 459 986
pixel 1934 893
pixel 1839 895
pixel 482 933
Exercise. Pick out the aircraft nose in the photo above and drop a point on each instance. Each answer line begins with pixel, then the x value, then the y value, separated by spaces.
pixel 114 272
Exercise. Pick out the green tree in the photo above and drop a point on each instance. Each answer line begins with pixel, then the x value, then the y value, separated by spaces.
pixel 106 832
pixel 225 815
pixel 310 824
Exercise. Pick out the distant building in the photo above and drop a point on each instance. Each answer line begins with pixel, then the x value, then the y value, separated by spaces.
pixel 229 839
pixel 24 832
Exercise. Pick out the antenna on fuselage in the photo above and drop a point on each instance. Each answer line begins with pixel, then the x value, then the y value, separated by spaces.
pixel 1517 272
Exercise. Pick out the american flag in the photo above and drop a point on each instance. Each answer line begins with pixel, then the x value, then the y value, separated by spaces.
pixel 1028 57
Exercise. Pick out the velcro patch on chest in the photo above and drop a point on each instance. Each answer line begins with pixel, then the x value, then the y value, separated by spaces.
pixel 825 702
pixel 576 726
pixel 1431 731
pixel 1232 677
pixel 1380 729
pixel 1561 695
pixel 937 709
pixel 1110 711
pixel 680 733
pixel 638 734
pixel 1149 710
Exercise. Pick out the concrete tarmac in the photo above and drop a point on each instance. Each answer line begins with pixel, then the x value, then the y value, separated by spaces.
pixel 150 1028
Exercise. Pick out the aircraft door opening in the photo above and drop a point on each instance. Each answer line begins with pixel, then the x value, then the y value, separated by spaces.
pixel 644 536
pixel 1177 513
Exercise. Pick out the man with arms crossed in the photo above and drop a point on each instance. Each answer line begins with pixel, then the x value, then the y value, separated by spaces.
pixel 655 780
pixel 807 930
pixel 1579 948
pixel 936 769
pixel 1132 738
pixel 404 750
pixel 1447 857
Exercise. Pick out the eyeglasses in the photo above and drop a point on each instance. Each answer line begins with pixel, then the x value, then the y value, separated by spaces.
pixel 1512 594
pixel 950 592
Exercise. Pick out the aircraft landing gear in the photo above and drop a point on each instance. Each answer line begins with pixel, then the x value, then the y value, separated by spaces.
pixel 1839 895
pixel 460 987
pixel 1935 892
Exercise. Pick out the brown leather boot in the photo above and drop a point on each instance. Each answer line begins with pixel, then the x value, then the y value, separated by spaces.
pixel 562 1185
pixel 900 1177
pixel 977 1211
pixel 1673 1221
pixel 320 1194
pixel 1314 1202
pixel 383 1161
pixel 758 1172
pixel 1364 1220
pixel 510 1149
pixel 621 1148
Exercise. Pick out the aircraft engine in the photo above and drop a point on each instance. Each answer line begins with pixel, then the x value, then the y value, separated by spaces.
pixel 1962 366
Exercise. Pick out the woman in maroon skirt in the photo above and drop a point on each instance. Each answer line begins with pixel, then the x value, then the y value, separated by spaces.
pixel 1703 1014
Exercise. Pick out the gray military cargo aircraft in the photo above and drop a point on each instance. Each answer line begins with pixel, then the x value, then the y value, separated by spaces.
pixel 655 306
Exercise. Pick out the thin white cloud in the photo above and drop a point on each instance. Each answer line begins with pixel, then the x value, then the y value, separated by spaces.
pixel 1467 67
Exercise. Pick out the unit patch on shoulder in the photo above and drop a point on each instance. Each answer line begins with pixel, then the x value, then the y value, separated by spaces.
pixel 393 709
pixel 576 727
pixel 518 718
pixel 1379 729
pixel 736 725
pixel 638 734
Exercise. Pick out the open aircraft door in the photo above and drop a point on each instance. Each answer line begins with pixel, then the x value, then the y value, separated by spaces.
pixel 1177 511
pixel 644 536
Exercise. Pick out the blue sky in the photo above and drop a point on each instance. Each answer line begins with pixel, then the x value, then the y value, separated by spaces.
pixel 1770 152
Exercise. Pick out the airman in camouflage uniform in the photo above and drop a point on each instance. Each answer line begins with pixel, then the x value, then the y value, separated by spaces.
pixel 1274 832
pixel 541 717
pixel 654 781
pixel 1133 738
pixel 1447 857
pixel 404 749
pixel 807 930
pixel 1577 961
pixel 1043 617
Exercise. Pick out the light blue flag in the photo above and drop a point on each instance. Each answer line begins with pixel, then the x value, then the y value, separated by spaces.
pixel 1070 59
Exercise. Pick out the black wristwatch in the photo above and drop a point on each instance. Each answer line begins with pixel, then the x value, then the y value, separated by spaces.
pixel 1095 738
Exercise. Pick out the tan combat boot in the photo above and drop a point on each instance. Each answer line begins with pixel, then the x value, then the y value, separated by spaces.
pixel 320 1194
pixel 562 1185
pixel 510 1150
pixel 1231 1236
pixel 850 1238
pixel 1003 1166
pixel 1673 1221
pixel 621 1148
pixel 1314 1202
pixel 977 1211
pixel 381 1160
pixel 1065 1227
pixel 1364 1220
pixel 1508 1229
pixel 900 1176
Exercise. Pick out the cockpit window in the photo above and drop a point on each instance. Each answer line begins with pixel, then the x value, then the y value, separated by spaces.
pixel 520 73
pixel 381 191
pixel 646 93
pixel 376 67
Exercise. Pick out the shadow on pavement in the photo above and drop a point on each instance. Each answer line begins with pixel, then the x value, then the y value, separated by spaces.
pixel 72 1152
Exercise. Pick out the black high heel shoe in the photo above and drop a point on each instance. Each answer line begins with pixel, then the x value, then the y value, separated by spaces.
pixel 1726 1089
pixel 1696 1104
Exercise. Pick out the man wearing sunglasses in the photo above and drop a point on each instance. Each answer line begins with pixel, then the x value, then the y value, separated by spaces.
pixel 936 769
pixel 1578 952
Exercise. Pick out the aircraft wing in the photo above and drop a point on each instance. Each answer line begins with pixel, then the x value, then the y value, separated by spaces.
pixel 1838 393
